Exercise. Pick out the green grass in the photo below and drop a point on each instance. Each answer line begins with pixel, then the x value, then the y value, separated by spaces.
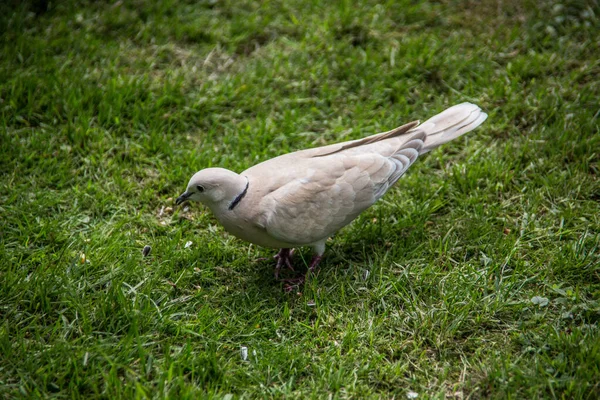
pixel 106 110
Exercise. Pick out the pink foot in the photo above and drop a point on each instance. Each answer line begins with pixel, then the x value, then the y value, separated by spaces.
pixel 290 284
pixel 284 257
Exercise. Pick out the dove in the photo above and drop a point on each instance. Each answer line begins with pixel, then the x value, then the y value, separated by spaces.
pixel 304 197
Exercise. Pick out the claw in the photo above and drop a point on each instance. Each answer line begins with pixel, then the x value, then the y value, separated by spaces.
pixel 292 283
pixel 284 257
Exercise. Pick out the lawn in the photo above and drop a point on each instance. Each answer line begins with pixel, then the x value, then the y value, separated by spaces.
pixel 477 276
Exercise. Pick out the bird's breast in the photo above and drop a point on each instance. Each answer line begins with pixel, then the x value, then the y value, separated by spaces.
pixel 247 230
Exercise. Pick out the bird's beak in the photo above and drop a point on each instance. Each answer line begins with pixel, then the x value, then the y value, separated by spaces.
pixel 183 198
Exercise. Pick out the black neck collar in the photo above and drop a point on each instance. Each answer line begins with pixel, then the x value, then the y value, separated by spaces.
pixel 239 196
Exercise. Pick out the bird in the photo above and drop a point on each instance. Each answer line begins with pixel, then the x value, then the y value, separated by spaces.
pixel 304 197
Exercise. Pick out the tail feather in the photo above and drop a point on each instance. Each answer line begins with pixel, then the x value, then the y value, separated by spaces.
pixel 450 124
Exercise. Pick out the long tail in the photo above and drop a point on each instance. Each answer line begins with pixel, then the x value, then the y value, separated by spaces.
pixel 450 124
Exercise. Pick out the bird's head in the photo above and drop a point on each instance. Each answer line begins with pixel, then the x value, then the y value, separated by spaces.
pixel 212 185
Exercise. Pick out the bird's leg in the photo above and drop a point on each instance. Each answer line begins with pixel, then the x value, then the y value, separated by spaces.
pixel 284 257
pixel 295 282
pixel 314 262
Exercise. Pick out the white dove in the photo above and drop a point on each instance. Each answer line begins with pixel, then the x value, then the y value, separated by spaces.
pixel 303 198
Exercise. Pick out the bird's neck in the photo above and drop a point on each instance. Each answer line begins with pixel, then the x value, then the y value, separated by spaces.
pixel 240 196
pixel 232 195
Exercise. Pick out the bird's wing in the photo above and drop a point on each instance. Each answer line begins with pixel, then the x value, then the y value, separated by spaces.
pixel 323 194
pixel 308 195
pixel 439 129
pixel 354 144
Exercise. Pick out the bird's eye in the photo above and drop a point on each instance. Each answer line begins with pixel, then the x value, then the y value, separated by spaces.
pixel 200 188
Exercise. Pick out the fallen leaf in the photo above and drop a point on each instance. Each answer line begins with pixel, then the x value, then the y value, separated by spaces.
pixel 540 301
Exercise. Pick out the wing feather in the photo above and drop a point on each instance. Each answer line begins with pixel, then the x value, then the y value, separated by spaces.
pixel 335 189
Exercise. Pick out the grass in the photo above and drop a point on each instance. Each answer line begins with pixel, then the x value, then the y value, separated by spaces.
pixel 483 263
